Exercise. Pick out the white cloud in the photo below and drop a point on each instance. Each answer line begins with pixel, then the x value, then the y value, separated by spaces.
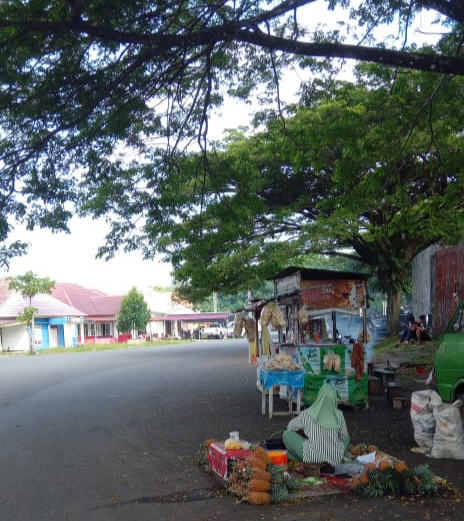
pixel 71 258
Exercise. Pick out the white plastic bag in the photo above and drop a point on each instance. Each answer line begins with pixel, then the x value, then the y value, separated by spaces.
pixel 423 404
pixel 448 441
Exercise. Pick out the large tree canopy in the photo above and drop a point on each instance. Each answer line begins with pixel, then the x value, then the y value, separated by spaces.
pixel 83 80
pixel 372 170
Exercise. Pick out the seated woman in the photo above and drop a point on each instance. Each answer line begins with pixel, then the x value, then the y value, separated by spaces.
pixel 422 330
pixel 319 434
pixel 408 330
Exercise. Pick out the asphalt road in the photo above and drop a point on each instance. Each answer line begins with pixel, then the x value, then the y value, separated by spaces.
pixel 113 436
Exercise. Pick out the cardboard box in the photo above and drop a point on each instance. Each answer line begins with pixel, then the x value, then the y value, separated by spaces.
pixel 221 460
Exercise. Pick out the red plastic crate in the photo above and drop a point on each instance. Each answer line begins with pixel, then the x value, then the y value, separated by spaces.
pixel 221 459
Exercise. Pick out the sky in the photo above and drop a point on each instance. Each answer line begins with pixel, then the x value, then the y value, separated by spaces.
pixel 71 257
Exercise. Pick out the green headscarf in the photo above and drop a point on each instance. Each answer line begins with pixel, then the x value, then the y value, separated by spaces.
pixel 324 411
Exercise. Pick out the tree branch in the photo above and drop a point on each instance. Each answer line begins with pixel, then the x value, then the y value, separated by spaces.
pixel 234 32
pixel 450 8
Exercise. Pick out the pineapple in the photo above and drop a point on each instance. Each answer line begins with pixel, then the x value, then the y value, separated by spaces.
pixel 257 473
pixel 258 485
pixel 427 483
pixel 277 473
pixel 259 498
pixel 384 464
pixel 254 462
pixel 356 450
pixel 279 494
pixel 261 453
pixel 238 490
pixel 400 466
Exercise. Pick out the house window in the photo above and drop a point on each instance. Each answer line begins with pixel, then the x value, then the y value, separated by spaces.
pixel 89 329
pixel 106 329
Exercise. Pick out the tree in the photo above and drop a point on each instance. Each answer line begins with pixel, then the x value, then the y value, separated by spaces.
pixel 80 81
pixel 134 313
pixel 370 171
pixel 29 285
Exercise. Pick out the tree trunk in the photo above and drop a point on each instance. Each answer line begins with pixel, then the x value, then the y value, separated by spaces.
pixel 32 337
pixel 393 311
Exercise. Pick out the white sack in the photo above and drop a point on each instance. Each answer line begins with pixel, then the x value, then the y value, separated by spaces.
pixel 448 441
pixel 422 405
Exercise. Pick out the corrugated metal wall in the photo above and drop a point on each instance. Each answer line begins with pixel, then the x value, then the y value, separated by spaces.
pixel 449 285
pixel 423 281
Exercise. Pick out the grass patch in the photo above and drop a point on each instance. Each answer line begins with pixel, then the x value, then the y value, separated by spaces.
pixel 98 347
pixel 415 361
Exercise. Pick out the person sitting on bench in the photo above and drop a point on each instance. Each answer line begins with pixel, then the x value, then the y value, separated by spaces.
pixel 422 331
pixel 408 330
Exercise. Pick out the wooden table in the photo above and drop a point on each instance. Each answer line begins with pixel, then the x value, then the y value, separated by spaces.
pixel 385 375
pixel 292 379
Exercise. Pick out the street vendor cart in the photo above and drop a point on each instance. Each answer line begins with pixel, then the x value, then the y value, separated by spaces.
pixel 311 301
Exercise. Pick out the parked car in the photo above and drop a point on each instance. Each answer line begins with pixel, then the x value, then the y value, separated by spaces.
pixel 448 372
pixel 273 334
pixel 214 330
pixel 230 329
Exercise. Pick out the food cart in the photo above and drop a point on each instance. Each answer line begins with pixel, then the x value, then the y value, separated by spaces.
pixel 311 301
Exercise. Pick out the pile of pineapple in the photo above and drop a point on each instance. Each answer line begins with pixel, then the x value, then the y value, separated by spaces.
pixel 257 480
pixel 202 454
pixel 388 476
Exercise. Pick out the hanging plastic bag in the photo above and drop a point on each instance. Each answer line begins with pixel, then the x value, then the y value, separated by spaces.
pixel 277 318
pixel 238 325
pixel 266 313
pixel 303 317
pixel 249 325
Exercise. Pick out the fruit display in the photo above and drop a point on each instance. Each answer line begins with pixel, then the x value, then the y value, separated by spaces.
pixel 253 477
pixel 389 476
pixel 396 480
pixel 258 481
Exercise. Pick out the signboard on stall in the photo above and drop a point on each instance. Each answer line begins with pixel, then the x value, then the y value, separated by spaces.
pixel 349 389
pixel 288 284
pixel 333 293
